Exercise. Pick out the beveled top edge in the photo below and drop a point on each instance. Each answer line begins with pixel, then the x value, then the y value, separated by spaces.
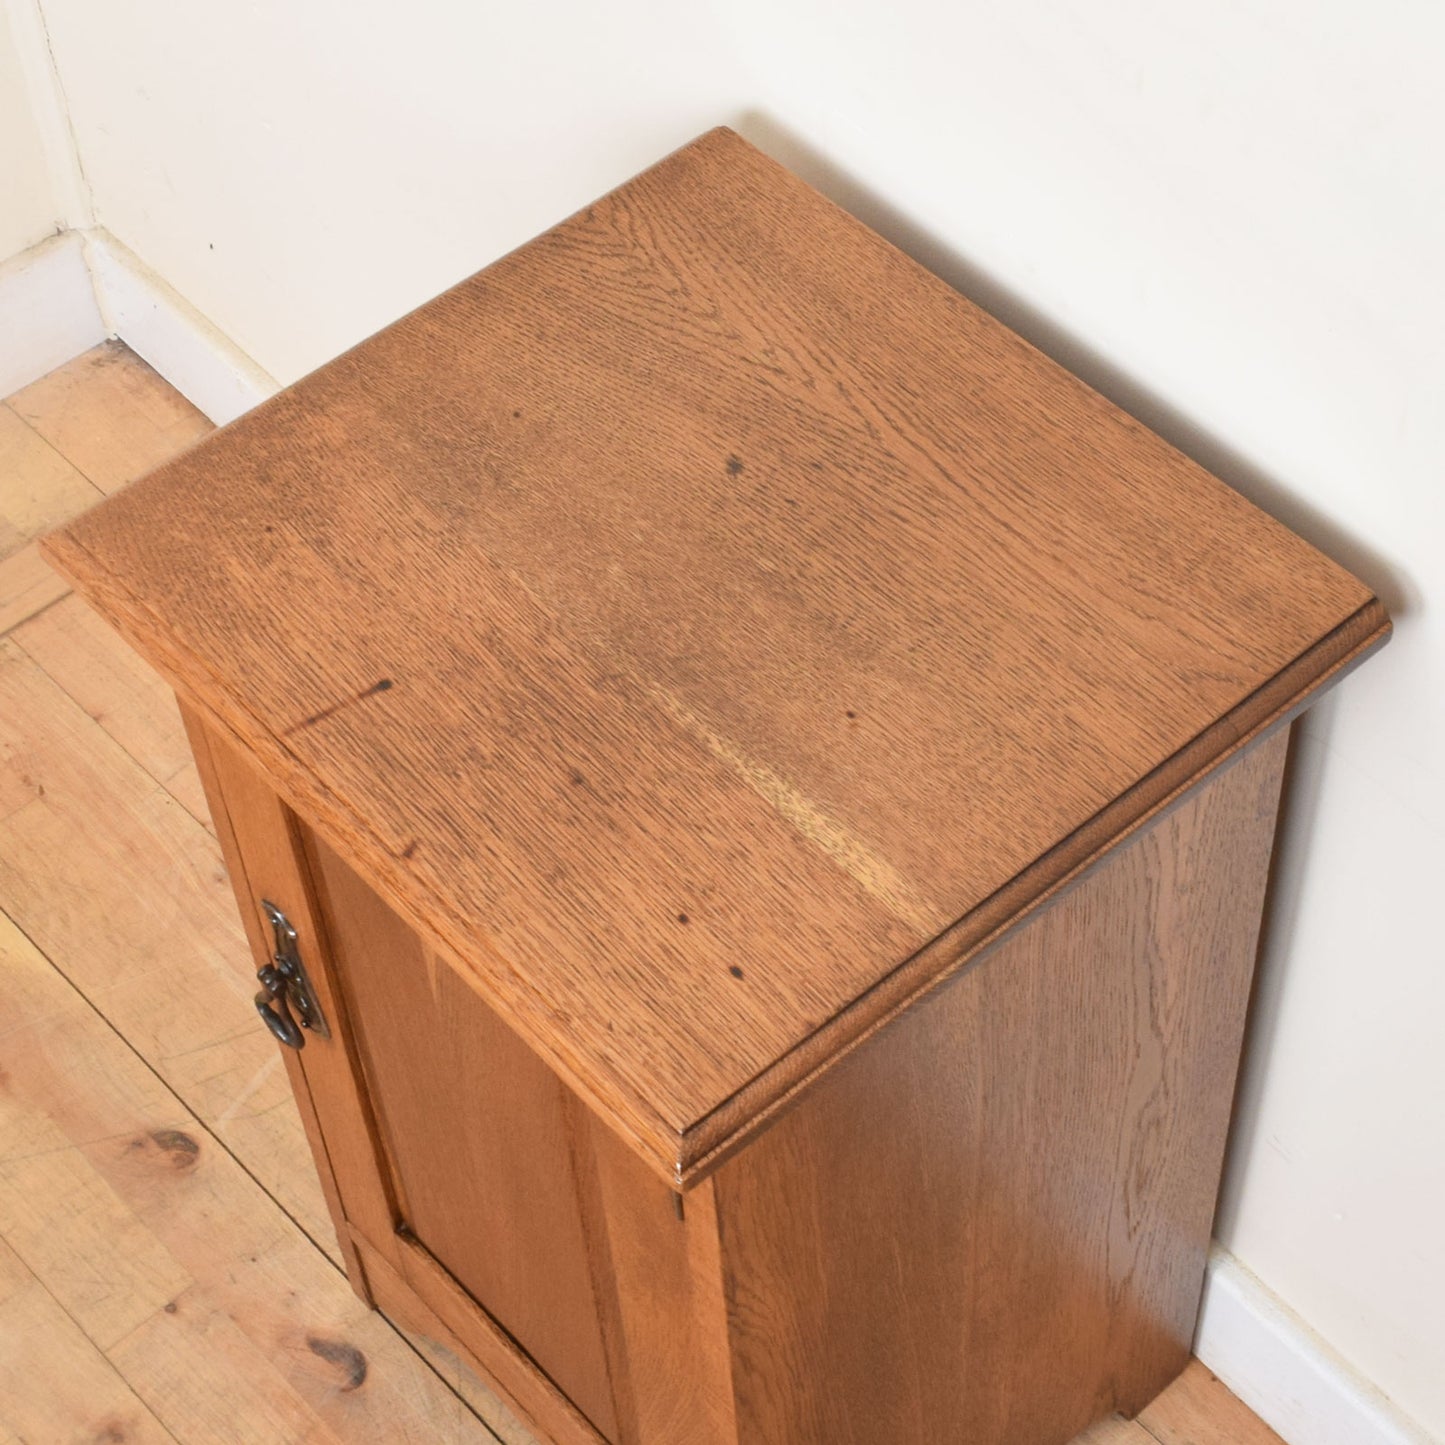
pixel 713 1139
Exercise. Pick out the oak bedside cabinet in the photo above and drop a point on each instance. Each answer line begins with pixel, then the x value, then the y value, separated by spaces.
pixel 751 790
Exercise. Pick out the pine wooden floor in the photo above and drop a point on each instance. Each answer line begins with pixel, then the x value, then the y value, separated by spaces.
pixel 167 1268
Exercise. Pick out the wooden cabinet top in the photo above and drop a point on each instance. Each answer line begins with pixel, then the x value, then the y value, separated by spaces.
pixel 709 628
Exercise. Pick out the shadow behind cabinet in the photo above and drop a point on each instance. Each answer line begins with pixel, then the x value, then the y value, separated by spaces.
pixel 759 788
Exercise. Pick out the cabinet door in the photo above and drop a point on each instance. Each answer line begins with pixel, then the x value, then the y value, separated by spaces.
pixel 445 1145
pixel 476 1134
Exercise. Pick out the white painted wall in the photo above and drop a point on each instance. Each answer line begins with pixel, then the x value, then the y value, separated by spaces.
pixel 29 208
pixel 1230 217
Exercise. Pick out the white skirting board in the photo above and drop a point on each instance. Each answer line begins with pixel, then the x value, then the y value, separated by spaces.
pixel 48 311
pixel 164 329
pixel 71 292
pixel 1285 1372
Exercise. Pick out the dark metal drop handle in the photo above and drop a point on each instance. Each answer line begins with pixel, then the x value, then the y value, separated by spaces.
pixel 271 1004
pixel 286 1001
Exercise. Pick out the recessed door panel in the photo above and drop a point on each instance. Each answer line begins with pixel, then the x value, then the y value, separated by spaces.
pixel 476 1130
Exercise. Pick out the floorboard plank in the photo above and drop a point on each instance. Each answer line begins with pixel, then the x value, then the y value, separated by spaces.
pixel 471 1388
pixel 39 489
pixel 1198 1409
pixel 112 878
pixel 54 1383
pixel 110 415
pixel 117 690
pixel 240 1328
pixel 1115 1431
pixel 27 585
pixel 104 1268
pixel 185 787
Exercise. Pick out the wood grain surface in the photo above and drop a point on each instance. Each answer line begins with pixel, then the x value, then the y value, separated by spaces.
pixel 694 617
pixel 664 1308
pixel 992 1223
pixel 28 584
pixel 102 867
pixel 476 1129
pixel 119 691
pixel 55 1383
pixel 1198 1409
pixel 121 890
pixel 41 488
pixel 109 414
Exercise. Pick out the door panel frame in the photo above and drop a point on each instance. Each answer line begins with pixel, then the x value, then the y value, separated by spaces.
pixel 260 842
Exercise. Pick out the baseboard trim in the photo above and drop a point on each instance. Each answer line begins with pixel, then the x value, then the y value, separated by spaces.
pixel 164 329
pixel 74 290
pixel 48 310
pixel 1285 1372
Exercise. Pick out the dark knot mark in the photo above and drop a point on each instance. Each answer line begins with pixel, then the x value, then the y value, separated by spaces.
pixel 178 1149
pixel 380 686
pixel 735 465
pixel 349 1361
pixel 110 1432
pixel 735 971
pixel 409 849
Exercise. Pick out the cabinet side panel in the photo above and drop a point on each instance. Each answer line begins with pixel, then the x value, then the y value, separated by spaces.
pixel 991 1223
